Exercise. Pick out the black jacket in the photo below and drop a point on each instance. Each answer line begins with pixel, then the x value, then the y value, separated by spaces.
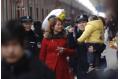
pixel 80 54
pixel 25 69
pixel 31 42
pixel 30 39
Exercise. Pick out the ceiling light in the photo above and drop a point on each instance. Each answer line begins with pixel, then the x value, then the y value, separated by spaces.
pixel 102 14
pixel 88 5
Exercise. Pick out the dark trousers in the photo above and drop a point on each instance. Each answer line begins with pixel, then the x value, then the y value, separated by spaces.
pixel 99 49
pixel 82 65
pixel 90 57
pixel 97 54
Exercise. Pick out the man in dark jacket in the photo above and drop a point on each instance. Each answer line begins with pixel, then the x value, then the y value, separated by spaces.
pixel 79 61
pixel 15 64
pixel 30 37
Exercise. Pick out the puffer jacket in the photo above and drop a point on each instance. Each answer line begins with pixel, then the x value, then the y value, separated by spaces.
pixel 93 32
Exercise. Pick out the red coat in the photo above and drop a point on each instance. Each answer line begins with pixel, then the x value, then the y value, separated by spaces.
pixel 54 60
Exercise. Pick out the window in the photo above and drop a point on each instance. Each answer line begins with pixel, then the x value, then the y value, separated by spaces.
pixel 31 11
pixel 37 13
pixel 42 14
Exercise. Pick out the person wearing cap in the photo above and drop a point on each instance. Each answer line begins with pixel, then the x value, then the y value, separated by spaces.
pixel 14 62
pixel 30 37
pixel 94 39
pixel 79 61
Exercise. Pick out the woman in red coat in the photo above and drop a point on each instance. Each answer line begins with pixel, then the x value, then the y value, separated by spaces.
pixel 55 49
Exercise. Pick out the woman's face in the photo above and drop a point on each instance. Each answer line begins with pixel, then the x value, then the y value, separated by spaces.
pixel 58 26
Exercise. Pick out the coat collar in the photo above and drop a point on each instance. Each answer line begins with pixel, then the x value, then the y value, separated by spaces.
pixel 57 36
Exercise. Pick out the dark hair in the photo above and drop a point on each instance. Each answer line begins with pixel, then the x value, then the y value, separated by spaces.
pixel 37 26
pixel 103 20
pixel 93 17
pixel 13 30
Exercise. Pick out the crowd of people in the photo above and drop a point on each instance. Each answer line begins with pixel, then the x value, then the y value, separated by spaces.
pixel 61 52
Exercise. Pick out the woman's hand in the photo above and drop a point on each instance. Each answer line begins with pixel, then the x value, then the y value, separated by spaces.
pixel 60 49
